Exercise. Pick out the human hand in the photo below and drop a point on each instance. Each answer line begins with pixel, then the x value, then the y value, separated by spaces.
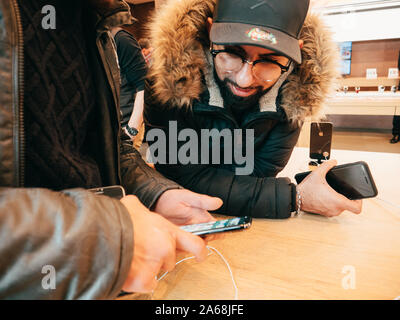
pixel 182 206
pixel 156 241
pixel 317 196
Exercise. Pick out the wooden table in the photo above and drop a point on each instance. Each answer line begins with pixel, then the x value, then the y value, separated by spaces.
pixel 307 257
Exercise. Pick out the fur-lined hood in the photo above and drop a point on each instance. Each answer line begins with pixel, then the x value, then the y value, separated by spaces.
pixel 179 35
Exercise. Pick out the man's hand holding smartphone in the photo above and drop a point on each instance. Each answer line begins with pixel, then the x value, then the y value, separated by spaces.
pixel 156 241
pixel 318 197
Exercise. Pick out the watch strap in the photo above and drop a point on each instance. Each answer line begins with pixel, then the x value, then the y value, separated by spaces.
pixel 132 131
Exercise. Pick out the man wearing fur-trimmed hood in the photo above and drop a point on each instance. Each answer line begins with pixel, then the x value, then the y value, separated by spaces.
pixel 262 66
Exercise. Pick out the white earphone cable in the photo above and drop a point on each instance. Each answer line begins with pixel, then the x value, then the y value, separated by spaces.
pixel 223 259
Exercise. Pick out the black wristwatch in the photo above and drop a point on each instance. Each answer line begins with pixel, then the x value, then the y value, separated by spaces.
pixel 131 131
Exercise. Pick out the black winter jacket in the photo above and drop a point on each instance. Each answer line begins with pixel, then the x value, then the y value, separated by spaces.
pixel 258 194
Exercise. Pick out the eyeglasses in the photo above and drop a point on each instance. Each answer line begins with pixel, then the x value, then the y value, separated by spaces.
pixel 267 70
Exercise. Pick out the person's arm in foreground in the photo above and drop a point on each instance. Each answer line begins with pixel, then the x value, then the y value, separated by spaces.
pixel 87 240
pixel 77 245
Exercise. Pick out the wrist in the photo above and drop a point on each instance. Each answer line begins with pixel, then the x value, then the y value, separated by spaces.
pixel 297 203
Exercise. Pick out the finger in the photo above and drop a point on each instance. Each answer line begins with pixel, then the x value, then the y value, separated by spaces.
pixel 170 261
pixel 326 166
pixel 188 242
pixel 143 281
pixel 202 201
pixel 355 206
pixel 198 215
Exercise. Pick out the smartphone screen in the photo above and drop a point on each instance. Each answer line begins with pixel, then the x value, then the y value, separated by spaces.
pixel 320 140
pixel 218 226
pixel 353 180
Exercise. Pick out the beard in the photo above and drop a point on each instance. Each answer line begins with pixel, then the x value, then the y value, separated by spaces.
pixel 234 102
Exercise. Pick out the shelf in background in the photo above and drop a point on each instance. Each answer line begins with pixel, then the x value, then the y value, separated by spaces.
pixel 364 82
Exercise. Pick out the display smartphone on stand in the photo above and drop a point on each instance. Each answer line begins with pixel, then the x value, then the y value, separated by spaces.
pixel 117 192
pixel 202 229
pixel 353 180
pixel 320 141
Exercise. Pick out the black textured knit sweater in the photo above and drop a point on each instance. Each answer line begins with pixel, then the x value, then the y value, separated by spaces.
pixel 59 98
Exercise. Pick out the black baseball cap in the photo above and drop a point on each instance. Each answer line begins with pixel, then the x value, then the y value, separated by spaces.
pixel 271 24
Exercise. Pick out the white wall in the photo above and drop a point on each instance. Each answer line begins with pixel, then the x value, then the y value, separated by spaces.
pixel 361 26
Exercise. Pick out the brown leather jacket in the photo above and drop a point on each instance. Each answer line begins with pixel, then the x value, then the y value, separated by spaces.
pixel 88 239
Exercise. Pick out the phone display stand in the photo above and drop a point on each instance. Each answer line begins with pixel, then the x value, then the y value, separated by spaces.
pixel 317 162
pixel 320 143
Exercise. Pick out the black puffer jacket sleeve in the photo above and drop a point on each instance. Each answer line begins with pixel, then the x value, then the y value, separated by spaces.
pixel 274 153
pixel 63 245
pixel 242 195
pixel 140 179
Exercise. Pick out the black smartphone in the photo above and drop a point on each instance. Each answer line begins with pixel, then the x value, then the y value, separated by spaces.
pixel 321 140
pixel 117 192
pixel 218 226
pixel 353 180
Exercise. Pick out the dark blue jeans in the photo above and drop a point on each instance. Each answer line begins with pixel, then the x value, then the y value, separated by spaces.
pixel 396 125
